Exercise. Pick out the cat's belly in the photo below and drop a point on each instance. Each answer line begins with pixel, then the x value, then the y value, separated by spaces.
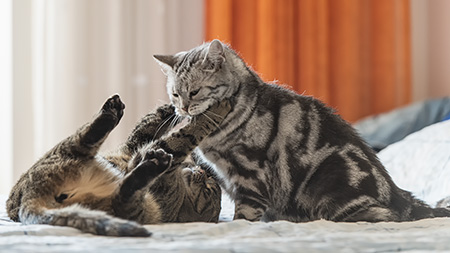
pixel 94 181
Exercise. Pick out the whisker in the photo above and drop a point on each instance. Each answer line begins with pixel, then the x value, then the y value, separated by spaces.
pixel 160 126
pixel 177 120
pixel 210 119
pixel 173 122
pixel 215 114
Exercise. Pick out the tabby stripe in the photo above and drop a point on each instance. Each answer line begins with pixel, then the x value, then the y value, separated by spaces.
pixel 135 214
pixel 237 116
pixel 296 170
pixel 297 211
pixel 214 190
pixel 203 209
pixel 192 139
pixel 216 90
pixel 353 207
pixel 252 197
pixel 198 201
pixel 240 170
pixel 254 203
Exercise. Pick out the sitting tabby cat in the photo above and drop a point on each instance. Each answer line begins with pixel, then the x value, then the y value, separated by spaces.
pixel 283 156
pixel 143 182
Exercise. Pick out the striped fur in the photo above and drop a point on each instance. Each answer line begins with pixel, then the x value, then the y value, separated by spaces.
pixel 281 155
pixel 142 182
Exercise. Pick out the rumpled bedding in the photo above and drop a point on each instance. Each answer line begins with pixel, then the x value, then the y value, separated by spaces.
pixel 419 163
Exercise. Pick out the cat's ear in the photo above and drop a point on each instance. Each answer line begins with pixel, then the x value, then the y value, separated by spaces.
pixel 215 56
pixel 166 62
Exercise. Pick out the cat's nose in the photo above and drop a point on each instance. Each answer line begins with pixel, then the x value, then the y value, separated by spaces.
pixel 186 108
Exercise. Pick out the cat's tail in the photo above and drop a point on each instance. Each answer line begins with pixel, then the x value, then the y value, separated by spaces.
pixel 420 210
pixel 86 220
pixel 441 212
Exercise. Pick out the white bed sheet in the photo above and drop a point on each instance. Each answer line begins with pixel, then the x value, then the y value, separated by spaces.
pixel 235 236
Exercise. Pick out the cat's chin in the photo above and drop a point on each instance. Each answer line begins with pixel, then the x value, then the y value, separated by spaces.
pixel 182 113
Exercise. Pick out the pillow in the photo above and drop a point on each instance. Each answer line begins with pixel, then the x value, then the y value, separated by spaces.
pixel 384 129
pixel 420 163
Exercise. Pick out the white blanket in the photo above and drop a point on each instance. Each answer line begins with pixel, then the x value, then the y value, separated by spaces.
pixel 281 236
pixel 236 236
pixel 420 163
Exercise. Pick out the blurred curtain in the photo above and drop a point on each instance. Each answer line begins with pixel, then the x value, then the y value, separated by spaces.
pixel 70 55
pixel 352 54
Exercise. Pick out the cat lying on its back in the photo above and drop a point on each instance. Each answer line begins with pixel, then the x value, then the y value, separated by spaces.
pixel 145 182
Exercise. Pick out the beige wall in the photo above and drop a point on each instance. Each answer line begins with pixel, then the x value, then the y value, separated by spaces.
pixel 6 95
pixel 430 48
pixel 69 56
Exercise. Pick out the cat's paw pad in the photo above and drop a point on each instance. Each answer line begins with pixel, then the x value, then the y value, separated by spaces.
pixel 159 157
pixel 114 106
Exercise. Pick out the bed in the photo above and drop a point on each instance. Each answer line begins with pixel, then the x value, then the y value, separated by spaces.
pixel 419 163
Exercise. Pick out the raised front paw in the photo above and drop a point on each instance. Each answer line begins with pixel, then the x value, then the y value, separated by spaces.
pixel 152 164
pixel 165 111
pixel 113 107
pixel 160 159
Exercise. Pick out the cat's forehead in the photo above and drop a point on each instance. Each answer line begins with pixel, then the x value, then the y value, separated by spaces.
pixel 188 72
pixel 189 59
pixel 183 84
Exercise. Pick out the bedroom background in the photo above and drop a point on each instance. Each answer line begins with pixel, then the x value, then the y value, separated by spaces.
pixel 60 59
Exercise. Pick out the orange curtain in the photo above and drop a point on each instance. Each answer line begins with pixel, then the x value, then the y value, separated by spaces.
pixel 354 55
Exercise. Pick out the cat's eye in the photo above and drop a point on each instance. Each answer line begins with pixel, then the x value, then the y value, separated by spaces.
pixel 193 93
pixel 175 95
